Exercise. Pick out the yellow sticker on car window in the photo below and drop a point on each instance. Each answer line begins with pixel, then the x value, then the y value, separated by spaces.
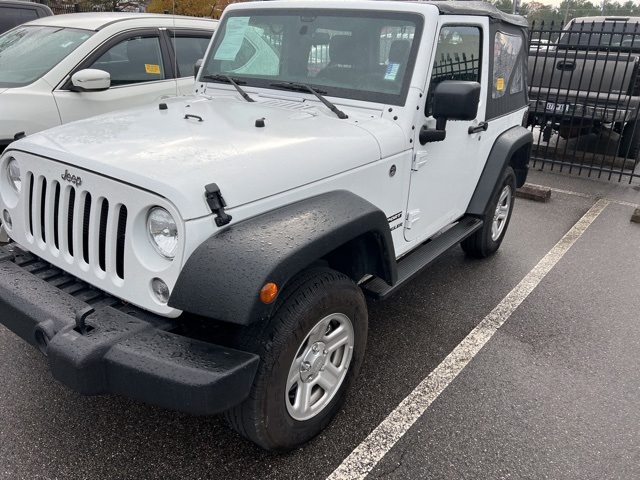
pixel 500 84
pixel 149 68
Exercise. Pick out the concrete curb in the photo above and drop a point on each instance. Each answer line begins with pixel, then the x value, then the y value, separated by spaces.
pixel 537 193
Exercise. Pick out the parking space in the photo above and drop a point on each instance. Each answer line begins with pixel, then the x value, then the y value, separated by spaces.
pixel 553 393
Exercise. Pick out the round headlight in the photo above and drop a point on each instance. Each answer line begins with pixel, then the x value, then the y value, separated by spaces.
pixel 163 232
pixel 13 175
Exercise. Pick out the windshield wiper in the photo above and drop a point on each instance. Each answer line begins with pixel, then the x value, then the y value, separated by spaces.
pixel 301 87
pixel 233 81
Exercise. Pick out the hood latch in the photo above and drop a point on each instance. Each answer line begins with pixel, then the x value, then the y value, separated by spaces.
pixel 216 204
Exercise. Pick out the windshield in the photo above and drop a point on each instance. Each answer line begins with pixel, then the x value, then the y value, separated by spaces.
pixel 27 53
pixel 355 54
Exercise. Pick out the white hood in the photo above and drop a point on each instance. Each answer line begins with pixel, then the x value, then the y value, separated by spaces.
pixel 174 156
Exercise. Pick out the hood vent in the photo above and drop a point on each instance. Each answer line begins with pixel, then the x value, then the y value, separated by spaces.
pixel 298 106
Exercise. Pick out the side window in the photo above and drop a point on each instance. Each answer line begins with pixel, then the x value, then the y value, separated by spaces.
pixel 507 71
pixel 133 60
pixel 457 57
pixel 189 49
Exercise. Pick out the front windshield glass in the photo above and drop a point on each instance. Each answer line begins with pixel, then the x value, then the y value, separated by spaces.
pixel 354 54
pixel 27 53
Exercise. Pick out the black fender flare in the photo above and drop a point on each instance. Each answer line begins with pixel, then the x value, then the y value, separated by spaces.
pixel 223 277
pixel 502 153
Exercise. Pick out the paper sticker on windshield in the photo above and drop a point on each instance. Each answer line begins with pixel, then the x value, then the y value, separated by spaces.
pixel 150 68
pixel 500 84
pixel 392 71
pixel 233 37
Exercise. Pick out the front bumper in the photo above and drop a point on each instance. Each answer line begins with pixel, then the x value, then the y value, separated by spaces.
pixel 124 351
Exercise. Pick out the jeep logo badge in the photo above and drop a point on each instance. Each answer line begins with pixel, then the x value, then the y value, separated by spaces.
pixel 77 181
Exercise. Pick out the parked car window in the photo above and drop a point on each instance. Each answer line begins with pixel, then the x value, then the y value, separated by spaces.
pixel 614 33
pixel 10 17
pixel 188 50
pixel 133 60
pixel 507 70
pixel 27 53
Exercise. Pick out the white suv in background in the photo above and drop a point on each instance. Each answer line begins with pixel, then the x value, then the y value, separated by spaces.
pixel 63 68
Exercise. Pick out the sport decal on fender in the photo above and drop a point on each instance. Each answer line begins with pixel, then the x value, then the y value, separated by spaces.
pixel 394 217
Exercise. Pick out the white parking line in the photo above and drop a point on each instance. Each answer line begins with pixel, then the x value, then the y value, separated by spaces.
pixel 367 455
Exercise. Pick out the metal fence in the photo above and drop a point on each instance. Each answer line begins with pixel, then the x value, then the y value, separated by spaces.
pixel 584 88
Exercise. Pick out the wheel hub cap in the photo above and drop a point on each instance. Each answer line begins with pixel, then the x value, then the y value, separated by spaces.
pixel 319 367
pixel 313 362
pixel 501 213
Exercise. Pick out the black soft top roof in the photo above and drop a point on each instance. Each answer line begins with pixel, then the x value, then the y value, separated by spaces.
pixel 472 7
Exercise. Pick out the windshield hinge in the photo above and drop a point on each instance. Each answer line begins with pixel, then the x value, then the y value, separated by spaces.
pixel 216 204
pixel 419 160
pixel 412 217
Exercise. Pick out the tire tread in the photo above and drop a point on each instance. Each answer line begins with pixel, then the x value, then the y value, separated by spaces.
pixel 259 338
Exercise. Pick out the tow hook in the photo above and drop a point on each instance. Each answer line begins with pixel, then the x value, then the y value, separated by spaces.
pixel 81 326
pixel 43 333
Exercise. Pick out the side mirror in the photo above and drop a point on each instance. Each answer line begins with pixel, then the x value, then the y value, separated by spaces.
pixel 452 100
pixel 196 67
pixel 90 80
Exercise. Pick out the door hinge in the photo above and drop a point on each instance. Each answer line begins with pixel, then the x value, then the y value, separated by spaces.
pixel 419 159
pixel 216 204
pixel 412 217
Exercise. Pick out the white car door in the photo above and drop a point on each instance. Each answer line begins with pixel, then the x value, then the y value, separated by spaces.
pixel 445 173
pixel 139 75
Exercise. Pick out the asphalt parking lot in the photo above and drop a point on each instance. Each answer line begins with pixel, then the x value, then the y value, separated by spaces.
pixel 547 386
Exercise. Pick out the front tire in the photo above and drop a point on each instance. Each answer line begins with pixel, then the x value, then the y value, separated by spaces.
pixel 310 352
pixel 487 240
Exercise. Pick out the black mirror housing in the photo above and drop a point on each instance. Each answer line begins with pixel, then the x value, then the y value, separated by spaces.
pixel 452 100
pixel 456 100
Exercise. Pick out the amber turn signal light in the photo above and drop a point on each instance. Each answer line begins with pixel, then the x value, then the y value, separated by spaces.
pixel 269 292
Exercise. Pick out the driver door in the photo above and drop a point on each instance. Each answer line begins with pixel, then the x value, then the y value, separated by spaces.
pixel 444 174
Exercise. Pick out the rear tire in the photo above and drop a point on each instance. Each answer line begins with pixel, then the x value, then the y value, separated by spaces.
pixel 629 146
pixel 310 352
pixel 487 240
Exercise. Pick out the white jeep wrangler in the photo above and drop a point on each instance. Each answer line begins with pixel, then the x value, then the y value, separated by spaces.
pixel 210 253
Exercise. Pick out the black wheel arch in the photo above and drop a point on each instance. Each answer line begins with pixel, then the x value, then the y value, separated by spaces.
pixel 513 147
pixel 223 277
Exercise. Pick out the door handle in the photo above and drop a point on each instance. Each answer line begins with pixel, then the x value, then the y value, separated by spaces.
pixel 481 127
pixel 566 66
